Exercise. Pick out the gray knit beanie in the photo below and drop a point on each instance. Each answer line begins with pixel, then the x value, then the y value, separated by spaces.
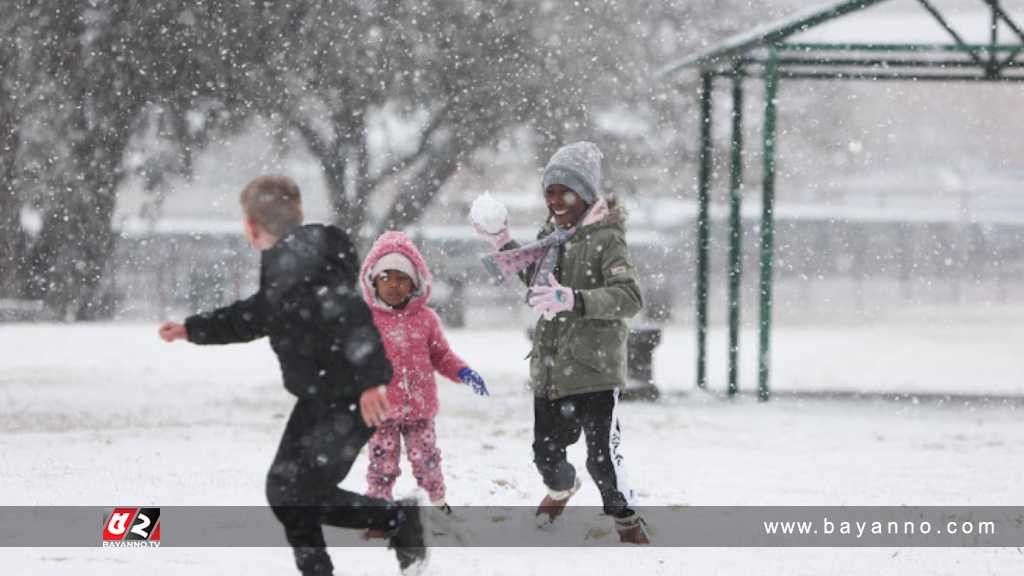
pixel 578 166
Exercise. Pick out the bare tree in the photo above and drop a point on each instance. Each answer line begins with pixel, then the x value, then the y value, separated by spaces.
pixel 12 242
pixel 459 71
pixel 110 69
pixel 344 62
pixel 111 77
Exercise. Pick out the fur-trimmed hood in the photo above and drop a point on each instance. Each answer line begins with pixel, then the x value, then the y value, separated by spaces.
pixel 617 213
pixel 412 336
pixel 606 211
pixel 388 243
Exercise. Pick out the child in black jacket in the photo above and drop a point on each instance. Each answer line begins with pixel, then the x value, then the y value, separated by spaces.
pixel 331 358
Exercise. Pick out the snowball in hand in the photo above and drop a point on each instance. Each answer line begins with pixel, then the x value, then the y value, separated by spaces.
pixel 488 213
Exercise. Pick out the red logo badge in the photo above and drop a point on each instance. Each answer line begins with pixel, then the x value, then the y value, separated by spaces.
pixel 131 528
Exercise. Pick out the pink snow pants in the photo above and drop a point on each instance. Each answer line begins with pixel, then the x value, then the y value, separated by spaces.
pixel 420 448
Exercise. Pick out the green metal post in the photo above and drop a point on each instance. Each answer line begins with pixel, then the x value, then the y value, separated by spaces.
pixel 703 226
pixel 881 47
pixel 993 33
pixel 771 87
pixel 993 63
pixel 735 229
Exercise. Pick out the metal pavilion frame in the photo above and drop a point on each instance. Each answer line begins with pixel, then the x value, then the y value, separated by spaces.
pixel 767 54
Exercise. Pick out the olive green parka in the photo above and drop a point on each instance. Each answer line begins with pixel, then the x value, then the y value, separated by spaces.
pixel 577 353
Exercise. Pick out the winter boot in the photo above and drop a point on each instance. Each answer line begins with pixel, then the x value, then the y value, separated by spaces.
pixel 443 507
pixel 441 517
pixel 313 561
pixel 632 529
pixel 407 539
pixel 552 506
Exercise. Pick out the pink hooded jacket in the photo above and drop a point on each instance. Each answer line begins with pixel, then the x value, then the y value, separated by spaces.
pixel 413 338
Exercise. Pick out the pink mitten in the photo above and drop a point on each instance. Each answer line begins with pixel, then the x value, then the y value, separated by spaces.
pixel 551 300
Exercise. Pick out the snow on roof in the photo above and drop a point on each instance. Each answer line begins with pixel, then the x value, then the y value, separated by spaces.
pixel 884 26
pixel 863 22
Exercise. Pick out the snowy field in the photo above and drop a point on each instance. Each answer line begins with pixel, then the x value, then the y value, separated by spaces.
pixel 103 415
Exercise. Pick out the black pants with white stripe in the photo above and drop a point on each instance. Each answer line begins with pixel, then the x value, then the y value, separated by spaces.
pixel 557 424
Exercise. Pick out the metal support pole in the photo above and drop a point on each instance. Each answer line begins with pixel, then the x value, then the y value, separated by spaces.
pixel 994 66
pixel 993 37
pixel 703 225
pixel 735 229
pixel 771 87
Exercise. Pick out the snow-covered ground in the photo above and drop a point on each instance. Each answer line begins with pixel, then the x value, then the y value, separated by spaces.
pixel 104 415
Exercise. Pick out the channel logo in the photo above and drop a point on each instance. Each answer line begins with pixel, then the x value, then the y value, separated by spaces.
pixel 131 528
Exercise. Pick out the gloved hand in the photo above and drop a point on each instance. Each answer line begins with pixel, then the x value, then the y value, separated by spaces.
pixel 470 376
pixel 550 300
pixel 497 239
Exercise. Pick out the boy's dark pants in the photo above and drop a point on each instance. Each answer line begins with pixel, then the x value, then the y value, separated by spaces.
pixel 557 425
pixel 320 442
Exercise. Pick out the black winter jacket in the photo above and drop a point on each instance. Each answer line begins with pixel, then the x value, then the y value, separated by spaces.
pixel 308 303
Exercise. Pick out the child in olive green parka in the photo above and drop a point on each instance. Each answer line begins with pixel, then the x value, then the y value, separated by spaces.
pixel 580 279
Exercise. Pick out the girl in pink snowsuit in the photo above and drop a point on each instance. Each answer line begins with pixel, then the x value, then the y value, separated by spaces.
pixel 396 284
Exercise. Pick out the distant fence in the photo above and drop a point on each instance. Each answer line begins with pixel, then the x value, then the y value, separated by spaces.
pixel 172 268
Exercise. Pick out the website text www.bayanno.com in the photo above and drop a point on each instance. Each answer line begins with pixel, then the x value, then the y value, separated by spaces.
pixel 862 528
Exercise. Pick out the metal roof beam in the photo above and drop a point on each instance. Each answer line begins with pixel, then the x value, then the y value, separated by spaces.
pixel 778 32
pixel 874 47
pixel 880 76
pixel 952 32
pixel 1010 60
pixel 1006 18
pixel 765 35
pixel 878 62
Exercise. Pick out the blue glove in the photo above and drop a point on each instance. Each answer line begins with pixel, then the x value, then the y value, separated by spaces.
pixel 469 376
